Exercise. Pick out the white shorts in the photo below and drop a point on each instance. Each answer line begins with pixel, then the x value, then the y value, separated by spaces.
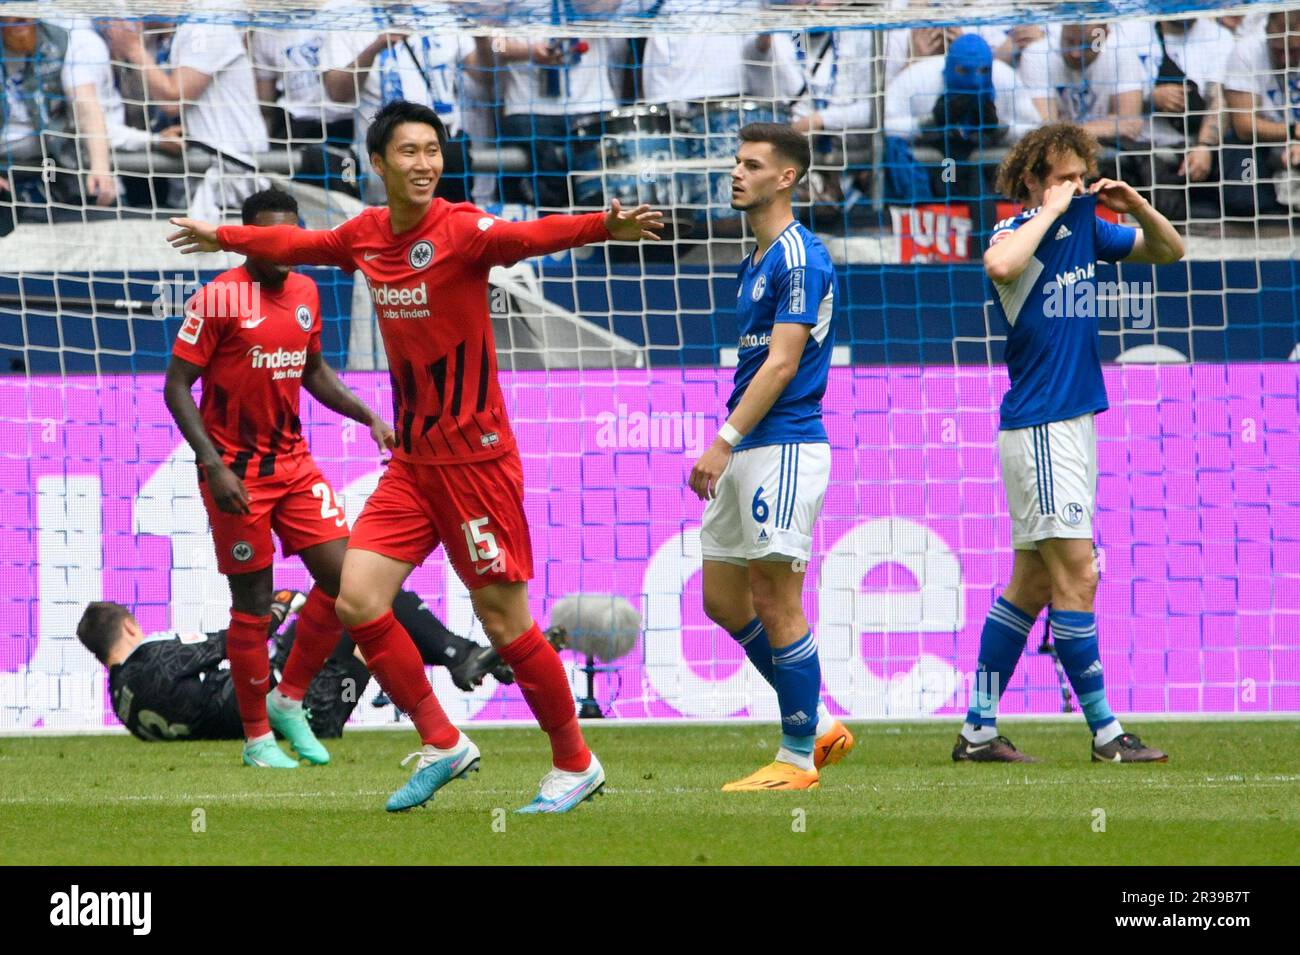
pixel 768 500
pixel 1050 475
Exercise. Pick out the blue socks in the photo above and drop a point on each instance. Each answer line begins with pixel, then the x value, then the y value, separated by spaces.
pixel 1002 641
pixel 798 689
pixel 754 641
pixel 753 638
pixel 1075 635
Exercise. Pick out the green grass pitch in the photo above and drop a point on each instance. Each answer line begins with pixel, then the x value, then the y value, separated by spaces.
pixel 1230 794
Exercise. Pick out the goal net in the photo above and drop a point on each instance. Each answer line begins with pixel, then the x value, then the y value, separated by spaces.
pixel 617 361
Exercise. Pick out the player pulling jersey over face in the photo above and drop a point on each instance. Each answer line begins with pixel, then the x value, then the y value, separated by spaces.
pixel 456 476
pixel 1052 339
pixel 1043 267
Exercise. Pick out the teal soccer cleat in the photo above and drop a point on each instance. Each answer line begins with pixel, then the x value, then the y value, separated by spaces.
pixel 265 754
pixel 434 769
pixel 291 723
pixel 561 791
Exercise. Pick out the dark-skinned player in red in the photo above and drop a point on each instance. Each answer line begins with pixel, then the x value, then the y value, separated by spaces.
pixel 253 336
pixel 456 476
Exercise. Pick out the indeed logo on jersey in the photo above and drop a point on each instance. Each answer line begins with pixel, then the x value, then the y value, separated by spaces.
pixel 286 363
pixel 754 341
pixel 1077 274
pixel 392 300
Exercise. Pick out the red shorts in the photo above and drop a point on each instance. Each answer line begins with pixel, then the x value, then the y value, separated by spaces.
pixel 299 505
pixel 476 511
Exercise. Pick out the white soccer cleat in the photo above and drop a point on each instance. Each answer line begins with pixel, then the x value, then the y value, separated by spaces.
pixel 561 790
pixel 434 768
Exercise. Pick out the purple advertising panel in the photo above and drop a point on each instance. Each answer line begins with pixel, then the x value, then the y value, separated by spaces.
pixel 1198 537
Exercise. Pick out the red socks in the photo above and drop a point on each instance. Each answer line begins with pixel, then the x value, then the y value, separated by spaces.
pixel 393 659
pixel 250 670
pixel 317 635
pixel 539 673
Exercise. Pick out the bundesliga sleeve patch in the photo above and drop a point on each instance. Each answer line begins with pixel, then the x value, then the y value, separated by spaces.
pixel 796 292
pixel 999 236
pixel 190 328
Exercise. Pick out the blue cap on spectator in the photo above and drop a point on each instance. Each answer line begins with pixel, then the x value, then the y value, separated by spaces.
pixel 969 66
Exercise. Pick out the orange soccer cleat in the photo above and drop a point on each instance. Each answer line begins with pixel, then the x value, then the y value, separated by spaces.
pixel 775 776
pixel 833 745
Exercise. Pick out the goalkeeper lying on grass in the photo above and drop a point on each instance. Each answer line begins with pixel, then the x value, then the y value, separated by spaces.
pixel 173 685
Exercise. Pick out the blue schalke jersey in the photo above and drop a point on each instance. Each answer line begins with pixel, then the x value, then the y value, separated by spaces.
pixel 1053 354
pixel 794 281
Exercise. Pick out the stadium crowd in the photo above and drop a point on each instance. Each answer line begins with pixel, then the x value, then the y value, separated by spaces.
pixel 1203 114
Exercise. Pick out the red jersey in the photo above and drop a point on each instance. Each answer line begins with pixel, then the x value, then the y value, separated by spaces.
pixel 252 344
pixel 429 286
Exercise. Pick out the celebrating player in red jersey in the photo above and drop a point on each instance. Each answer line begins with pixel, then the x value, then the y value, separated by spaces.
pixel 455 476
pixel 253 335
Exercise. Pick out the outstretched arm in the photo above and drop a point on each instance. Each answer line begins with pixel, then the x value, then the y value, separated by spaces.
pixel 285 244
pixel 499 242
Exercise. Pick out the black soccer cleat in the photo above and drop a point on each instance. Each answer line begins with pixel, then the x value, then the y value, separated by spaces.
pixel 283 603
pixel 478 663
pixel 1127 748
pixel 996 750
pixel 503 674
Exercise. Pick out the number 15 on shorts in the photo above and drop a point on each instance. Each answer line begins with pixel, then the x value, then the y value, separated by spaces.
pixel 482 545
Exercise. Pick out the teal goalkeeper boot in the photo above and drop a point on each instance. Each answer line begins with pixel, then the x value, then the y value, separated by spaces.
pixel 266 754
pixel 291 723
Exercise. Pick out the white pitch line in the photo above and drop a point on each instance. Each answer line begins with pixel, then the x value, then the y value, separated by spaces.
pixel 215 798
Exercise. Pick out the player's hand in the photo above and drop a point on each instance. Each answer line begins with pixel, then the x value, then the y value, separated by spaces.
pixel 708 470
pixel 1196 164
pixel 227 490
pixel 1116 196
pixel 1291 156
pixel 385 438
pixel 194 236
pixel 632 225
pixel 1057 198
